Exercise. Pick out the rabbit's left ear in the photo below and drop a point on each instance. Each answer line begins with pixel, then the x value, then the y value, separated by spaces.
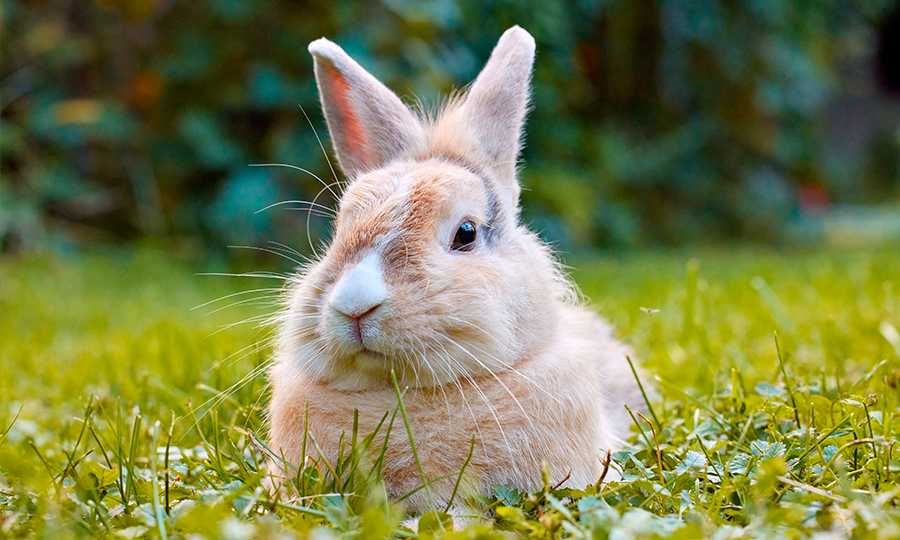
pixel 368 123
pixel 492 115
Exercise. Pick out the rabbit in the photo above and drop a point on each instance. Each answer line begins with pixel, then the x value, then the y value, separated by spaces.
pixel 429 275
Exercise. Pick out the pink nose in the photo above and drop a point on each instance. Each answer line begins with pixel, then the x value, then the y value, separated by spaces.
pixel 360 291
pixel 358 311
pixel 366 313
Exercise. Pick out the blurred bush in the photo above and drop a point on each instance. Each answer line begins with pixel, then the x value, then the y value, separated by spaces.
pixel 654 120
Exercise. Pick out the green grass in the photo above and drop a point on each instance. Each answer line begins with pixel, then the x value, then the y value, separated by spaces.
pixel 105 359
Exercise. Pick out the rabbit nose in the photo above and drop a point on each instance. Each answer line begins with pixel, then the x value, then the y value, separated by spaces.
pixel 361 290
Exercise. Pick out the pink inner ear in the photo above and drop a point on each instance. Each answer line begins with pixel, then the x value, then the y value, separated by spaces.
pixel 351 130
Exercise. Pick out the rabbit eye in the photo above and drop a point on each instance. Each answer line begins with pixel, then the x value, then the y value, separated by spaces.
pixel 465 237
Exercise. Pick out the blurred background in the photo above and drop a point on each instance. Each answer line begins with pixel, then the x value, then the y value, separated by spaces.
pixel 655 122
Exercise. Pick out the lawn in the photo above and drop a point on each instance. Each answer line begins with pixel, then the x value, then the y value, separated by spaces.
pixel 125 412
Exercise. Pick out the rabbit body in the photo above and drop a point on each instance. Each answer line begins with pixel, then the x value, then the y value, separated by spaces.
pixel 430 276
pixel 566 417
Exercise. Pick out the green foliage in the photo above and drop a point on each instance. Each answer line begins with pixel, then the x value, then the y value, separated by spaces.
pixel 125 413
pixel 654 121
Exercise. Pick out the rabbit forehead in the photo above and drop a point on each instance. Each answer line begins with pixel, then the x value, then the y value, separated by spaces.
pixel 413 200
pixel 440 192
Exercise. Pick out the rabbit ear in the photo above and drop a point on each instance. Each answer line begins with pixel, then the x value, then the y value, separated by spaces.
pixel 493 113
pixel 369 125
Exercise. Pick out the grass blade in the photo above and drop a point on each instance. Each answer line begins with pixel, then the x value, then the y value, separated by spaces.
pixel 643 393
pixel 412 442
pixel 787 381
pixel 11 424
pixel 461 472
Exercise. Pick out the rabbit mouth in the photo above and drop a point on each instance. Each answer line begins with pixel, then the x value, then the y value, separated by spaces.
pixel 361 351
pixel 370 353
pixel 367 360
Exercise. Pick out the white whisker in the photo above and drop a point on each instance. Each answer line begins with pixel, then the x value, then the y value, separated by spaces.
pixel 500 381
pixel 265 275
pixel 487 402
pixel 269 300
pixel 501 362
pixel 326 211
pixel 316 198
pixel 221 396
pixel 268 289
pixel 301 169
pixel 266 250
pixel 258 345
pixel 256 318
pixel 324 153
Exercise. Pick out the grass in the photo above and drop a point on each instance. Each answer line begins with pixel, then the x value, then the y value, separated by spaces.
pixel 777 411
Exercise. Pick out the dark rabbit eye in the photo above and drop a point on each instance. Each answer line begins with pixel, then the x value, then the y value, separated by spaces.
pixel 465 237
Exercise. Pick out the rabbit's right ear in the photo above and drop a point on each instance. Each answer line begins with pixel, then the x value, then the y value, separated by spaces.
pixel 369 125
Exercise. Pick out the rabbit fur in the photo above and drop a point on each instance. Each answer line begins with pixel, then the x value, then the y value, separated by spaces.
pixel 491 342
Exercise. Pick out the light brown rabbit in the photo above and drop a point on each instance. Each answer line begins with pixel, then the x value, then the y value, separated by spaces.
pixel 430 274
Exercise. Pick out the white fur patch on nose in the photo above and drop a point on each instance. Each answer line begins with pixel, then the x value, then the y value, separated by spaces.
pixel 361 289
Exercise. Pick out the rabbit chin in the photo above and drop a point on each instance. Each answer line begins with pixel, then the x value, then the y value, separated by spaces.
pixel 361 370
pixel 365 369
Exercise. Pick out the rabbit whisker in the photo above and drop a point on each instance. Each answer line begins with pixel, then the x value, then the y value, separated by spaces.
pixel 289 249
pixel 257 318
pixel 266 275
pixel 316 198
pixel 517 372
pixel 266 250
pixel 476 327
pixel 321 147
pixel 487 402
pixel 436 378
pixel 458 384
pixel 494 413
pixel 266 300
pixel 266 389
pixel 321 207
pixel 499 381
pixel 268 289
pixel 221 396
pixel 259 345
pixel 296 168
pixel 314 213
pixel 318 370
pixel 284 250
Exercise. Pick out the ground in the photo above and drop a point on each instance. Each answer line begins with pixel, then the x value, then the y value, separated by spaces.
pixel 125 412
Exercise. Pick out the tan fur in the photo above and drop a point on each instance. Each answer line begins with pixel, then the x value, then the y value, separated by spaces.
pixel 489 342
